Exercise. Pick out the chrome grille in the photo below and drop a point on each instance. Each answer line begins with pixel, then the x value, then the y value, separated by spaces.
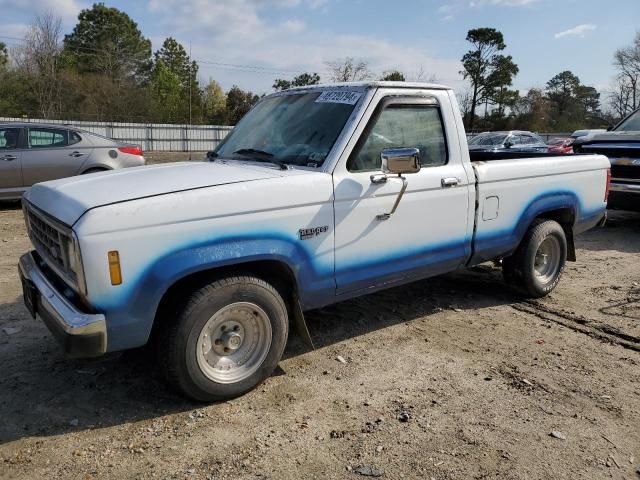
pixel 50 240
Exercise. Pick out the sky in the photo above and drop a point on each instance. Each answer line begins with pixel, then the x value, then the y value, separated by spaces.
pixel 249 43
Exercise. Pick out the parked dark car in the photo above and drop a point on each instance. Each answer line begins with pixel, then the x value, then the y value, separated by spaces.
pixel 560 145
pixel 622 146
pixel 32 153
pixel 511 141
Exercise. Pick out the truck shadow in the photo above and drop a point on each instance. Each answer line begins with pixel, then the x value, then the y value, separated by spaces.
pixel 10 205
pixel 621 233
pixel 44 394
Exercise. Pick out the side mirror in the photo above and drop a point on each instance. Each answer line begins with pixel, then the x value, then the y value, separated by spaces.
pixel 398 161
pixel 508 144
pixel 609 128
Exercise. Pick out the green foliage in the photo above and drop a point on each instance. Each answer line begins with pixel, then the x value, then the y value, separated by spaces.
pixel 166 91
pixel 572 105
pixel 107 41
pixel 215 104
pixel 239 103
pixel 4 55
pixel 488 72
pixel 174 85
pixel 16 95
pixel 393 76
pixel 299 81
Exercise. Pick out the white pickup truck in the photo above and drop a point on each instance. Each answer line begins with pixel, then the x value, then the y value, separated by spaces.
pixel 319 194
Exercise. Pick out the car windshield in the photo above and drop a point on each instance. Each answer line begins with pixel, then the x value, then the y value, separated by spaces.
pixel 297 129
pixel 631 124
pixel 488 139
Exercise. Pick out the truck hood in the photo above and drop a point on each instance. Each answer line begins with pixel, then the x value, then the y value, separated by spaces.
pixel 69 198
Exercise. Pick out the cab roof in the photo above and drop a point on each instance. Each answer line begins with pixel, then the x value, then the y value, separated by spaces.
pixel 376 84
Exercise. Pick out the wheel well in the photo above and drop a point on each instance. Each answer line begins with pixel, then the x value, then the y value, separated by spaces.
pixel 566 218
pixel 94 170
pixel 274 272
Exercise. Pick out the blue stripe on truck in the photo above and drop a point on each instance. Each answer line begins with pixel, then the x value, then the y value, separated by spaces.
pixel 130 314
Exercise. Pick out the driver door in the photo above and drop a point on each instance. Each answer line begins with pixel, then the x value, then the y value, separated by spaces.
pixel 429 232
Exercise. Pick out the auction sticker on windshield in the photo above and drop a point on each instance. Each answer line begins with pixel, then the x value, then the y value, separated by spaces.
pixel 339 96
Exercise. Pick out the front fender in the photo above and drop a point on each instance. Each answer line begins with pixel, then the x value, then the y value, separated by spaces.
pixel 131 315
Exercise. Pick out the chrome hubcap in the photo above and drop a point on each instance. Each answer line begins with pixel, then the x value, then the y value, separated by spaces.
pixel 234 342
pixel 547 261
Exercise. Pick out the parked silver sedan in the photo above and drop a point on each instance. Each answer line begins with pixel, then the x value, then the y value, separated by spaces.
pixel 32 153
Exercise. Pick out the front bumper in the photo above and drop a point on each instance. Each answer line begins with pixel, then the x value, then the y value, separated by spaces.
pixel 81 334
pixel 624 196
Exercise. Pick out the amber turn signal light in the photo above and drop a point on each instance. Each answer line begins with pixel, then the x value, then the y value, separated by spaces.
pixel 114 267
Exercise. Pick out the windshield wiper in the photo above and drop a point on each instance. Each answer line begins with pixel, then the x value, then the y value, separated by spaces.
pixel 261 156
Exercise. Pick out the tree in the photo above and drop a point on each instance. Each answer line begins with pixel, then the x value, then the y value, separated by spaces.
pixel 215 104
pixel 175 58
pixel 300 81
pixel 532 112
pixel 561 91
pixel 174 83
pixel 499 81
pixel 572 104
pixel 348 70
pixel 107 41
pixel 167 92
pixel 393 76
pixel 39 60
pixel 627 63
pixel 486 70
pixel 239 103
pixel 4 55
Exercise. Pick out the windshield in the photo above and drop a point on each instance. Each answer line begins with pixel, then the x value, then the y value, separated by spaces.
pixel 297 129
pixel 631 124
pixel 488 139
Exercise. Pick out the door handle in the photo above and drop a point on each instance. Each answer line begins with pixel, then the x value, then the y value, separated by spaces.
pixel 378 179
pixel 76 154
pixel 9 158
pixel 449 182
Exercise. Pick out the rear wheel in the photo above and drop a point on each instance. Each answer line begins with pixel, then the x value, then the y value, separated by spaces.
pixel 537 264
pixel 225 339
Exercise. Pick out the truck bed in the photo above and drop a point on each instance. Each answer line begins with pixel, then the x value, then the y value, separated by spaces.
pixel 510 192
pixel 480 156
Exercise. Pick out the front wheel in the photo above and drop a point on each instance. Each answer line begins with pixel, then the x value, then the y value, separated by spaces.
pixel 225 339
pixel 537 264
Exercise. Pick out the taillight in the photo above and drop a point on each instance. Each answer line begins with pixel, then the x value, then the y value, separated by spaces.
pixel 134 150
pixel 606 190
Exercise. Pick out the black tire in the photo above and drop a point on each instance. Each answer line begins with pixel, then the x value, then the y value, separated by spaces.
pixel 177 340
pixel 519 270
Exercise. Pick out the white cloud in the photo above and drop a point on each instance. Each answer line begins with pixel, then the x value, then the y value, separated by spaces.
pixel 293 26
pixel 502 3
pixel 13 32
pixel 66 9
pixel 577 31
pixel 447 18
pixel 236 32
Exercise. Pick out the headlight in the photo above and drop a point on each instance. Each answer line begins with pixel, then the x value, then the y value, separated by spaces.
pixel 74 259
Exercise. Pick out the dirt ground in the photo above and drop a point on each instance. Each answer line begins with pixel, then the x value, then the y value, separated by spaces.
pixel 448 378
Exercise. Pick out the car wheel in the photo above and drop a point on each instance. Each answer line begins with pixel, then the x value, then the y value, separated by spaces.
pixel 226 338
pixel 536 266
